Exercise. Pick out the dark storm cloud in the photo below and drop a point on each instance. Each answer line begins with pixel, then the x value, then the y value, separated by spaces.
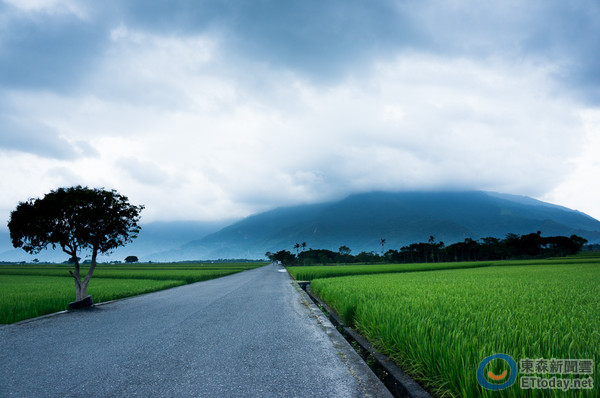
pixel 562 35
pixel 323 40
pixel 570 32
pixel 206 100
pixel 48 52
pixel 318 38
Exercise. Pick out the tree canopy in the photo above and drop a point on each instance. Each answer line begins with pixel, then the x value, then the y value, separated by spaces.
pixel 75 219
pixel 490 248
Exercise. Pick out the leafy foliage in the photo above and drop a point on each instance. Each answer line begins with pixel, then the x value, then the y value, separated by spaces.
pixel 284 256
pixel 75 218
pixel 486 249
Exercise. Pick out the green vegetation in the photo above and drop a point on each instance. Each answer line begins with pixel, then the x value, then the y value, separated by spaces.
pixel 309 273
pixel 319 271
pixel 27 291
pixel 23 297
pixel 439 325
pixel 75 219
pixel 513 247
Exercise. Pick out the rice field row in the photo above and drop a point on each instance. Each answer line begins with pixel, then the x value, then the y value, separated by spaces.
pixel 187 275
pixel 440 325
pixel 309 273
pixel 27 291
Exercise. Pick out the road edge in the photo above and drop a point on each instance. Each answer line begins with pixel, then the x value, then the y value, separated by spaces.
pixel 395 379
pixel 370 384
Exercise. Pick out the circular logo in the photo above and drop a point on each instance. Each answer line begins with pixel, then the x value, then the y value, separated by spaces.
pixel 491 386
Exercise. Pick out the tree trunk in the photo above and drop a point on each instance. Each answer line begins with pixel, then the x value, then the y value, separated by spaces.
pixel 80 290
pixel 81 285
pixel 82 293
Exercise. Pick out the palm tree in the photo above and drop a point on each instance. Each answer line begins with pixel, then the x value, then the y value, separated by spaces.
pixel 303 245
pixel 382 242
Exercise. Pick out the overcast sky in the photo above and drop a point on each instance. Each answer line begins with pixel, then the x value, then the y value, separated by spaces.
pixel 207 110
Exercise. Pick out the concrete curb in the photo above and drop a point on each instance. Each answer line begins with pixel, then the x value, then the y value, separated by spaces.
pixel 370 384
pixel 37 318
pixel 68 311
pixel 394 378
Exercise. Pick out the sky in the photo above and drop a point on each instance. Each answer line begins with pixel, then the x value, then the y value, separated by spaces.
pixel 210 110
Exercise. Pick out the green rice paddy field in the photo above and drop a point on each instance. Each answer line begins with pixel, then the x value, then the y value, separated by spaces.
pixel 309 273
pixel 439 325
pixel 27 291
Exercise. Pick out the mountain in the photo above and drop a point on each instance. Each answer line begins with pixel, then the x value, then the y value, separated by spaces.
pixel 361 221
pixel 358 221
pixel 162 235
pixel 154 237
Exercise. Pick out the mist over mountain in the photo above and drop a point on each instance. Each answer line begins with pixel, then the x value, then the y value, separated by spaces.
pixel 360 222
pixel 155 237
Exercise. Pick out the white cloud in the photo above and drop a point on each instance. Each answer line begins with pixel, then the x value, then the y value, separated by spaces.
pixel 145 172
pixel 176 126
pixel 580 190
pixel 51 7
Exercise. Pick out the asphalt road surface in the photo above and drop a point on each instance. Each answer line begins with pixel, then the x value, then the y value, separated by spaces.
pixel 251 334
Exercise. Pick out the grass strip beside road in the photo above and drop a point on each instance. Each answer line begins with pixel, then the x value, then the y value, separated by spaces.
pixel 28 290
pixel 23 297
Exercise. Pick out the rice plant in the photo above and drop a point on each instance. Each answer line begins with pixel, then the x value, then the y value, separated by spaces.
pixel 329 271
pixel 440 325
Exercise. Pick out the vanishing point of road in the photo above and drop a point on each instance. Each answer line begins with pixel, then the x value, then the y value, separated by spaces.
pixel 251 334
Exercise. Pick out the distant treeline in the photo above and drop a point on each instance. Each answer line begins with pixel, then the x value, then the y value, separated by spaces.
pixel 513 246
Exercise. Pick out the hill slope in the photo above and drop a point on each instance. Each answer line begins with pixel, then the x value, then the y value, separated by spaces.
pixel 360 221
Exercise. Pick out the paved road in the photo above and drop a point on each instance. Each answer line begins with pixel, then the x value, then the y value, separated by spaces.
pixel 251 334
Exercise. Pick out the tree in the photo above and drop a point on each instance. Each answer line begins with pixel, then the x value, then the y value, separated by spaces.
pixel 382 243
pixel 318 256
pixel 285 257
pixel 344 250
pixel 75 219
pixel 269 255
pixel 131 259
pixel 344 253
pixel 303 246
